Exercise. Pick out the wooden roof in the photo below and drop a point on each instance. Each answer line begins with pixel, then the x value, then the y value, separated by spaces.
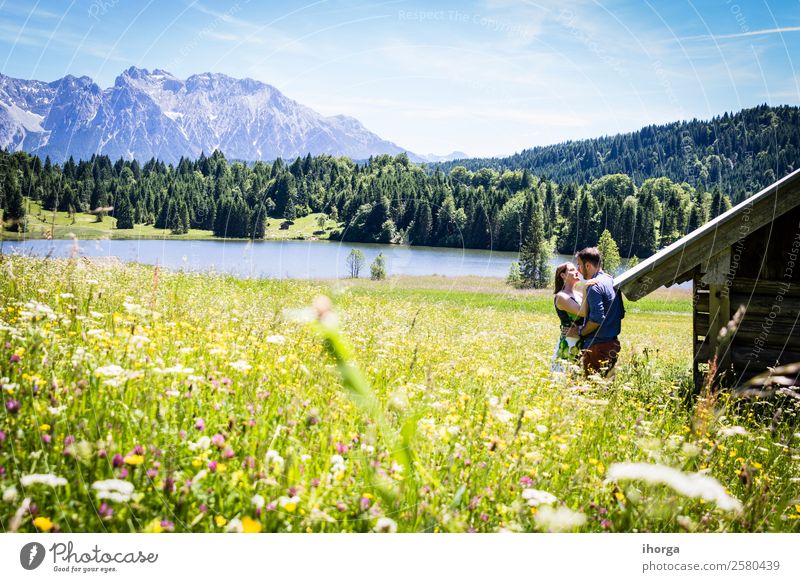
pixel 677 262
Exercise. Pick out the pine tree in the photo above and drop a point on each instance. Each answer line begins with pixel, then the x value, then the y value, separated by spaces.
pixel 14 211
pixel 258 229
pixel 534 257
pixel 423 222
pixel 124 212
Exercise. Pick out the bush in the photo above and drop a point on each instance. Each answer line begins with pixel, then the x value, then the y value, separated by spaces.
pixel 514 275
pixel 377 270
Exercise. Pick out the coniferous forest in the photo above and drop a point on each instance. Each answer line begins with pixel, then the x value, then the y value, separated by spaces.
pixel 648 188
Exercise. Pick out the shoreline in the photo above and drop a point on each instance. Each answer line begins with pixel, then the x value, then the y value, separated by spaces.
pixel 474 284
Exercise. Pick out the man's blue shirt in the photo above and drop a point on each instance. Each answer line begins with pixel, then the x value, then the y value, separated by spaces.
pixel 605 309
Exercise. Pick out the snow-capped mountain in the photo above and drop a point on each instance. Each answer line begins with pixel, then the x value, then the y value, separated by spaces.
pixel 154 114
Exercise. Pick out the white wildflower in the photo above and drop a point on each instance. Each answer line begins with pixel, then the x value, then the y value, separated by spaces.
pixel 35 310
pixel 274 461
pixel 258 500
pixel 536 497
pixel 733 431
pixel 66 295
pixel 110 371
pixel 559 519
pixel 688 484
pixel 42 479
pixel 503 415
pixel 114 485
pixel 240 365
pixel 386 525
pixel 235 526
pixel 690 450
pixel 133 308
pixel 202 444
pixel 10 494
pixel 276 339
pixel 176 369
pixel 56 410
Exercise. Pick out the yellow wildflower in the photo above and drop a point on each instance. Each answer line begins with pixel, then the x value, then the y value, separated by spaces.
pixel 43 524
pixel 250 525
pixel 220 521
pixel 134 460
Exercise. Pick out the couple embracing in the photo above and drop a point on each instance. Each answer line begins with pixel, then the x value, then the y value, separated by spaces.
pixel 590 322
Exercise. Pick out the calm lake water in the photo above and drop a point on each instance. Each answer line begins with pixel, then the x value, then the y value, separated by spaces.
pixel 280 259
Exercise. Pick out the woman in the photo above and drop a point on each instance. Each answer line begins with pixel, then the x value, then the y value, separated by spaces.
pixel 571 308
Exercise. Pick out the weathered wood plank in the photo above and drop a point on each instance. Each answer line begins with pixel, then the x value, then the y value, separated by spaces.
pixel 765 287
pixel 764 358
pixel 755 304
pixel 776 329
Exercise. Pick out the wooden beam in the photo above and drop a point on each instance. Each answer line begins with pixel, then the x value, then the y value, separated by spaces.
pixel 714 313
pixel 717 269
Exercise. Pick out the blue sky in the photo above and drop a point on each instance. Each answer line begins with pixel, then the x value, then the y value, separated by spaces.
pixel 487 77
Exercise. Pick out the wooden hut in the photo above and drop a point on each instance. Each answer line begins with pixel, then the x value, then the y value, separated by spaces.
pixel 749 256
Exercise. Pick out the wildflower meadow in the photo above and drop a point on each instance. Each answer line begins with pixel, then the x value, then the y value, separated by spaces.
pixel 142 400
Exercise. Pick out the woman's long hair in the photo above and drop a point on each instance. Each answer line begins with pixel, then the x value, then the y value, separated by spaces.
pixel 559 284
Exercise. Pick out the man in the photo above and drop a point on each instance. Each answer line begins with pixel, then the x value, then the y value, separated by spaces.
pixel 604 319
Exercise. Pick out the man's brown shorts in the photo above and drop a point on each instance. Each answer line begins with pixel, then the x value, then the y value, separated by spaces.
pixel 600 357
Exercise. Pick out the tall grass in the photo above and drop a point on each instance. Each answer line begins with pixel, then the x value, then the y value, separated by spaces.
pixel 391 409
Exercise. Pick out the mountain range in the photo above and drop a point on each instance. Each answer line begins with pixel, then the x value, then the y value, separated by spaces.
pixel 154 114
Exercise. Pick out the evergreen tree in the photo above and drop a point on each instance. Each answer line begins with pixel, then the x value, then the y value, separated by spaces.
pixel 645 238
pixel 258 229
pixel 535 253
pixel 124 212
pixel 423 222
pixel 14 210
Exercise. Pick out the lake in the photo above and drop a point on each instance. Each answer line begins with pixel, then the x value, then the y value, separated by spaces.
pixel 281 259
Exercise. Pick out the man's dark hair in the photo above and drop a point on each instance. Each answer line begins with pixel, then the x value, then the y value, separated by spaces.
pixel 590 255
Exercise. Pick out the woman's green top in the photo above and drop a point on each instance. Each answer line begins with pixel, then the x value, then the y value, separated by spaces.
pixel 567 319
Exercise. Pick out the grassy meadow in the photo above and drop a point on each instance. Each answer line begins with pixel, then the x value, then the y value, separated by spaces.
pixel 143 400
pixel 63 225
